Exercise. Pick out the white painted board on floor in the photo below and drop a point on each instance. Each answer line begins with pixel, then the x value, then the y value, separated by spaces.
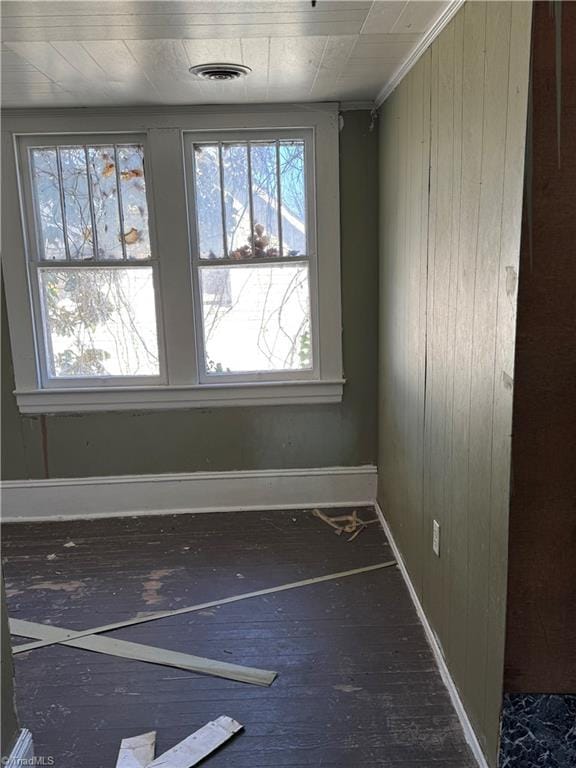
pixel 137 751
pixel 139 652
pixel 198 745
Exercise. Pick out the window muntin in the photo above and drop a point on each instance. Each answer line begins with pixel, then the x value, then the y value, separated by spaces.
pixel 96 306
pixel 250 208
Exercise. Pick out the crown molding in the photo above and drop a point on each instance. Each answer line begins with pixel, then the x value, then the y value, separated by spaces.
pixel 449 12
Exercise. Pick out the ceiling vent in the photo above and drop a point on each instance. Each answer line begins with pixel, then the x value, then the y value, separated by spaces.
pixel 220 71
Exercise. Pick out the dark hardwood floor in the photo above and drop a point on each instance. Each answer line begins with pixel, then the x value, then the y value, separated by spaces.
pixel 357 684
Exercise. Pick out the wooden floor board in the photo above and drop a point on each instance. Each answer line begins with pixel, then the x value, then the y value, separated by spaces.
pixel 357 685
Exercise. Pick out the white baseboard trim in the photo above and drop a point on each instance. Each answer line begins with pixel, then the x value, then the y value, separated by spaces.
pixel 22 752
pixel 126 495
pixel 469 733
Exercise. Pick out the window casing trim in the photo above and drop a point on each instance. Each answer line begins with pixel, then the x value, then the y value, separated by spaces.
pixel 159 398
pixel 166 131
pixel 35 263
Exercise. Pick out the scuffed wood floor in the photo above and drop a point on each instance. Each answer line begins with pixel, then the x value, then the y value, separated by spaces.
pixel 357 685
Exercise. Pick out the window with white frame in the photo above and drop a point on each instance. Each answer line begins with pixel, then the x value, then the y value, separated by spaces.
pixel 253 253
pixel 176 267
pixel 92 272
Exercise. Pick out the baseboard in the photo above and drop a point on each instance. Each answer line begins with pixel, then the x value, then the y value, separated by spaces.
pixel 469 733
pixel 126 495
pixel 22 752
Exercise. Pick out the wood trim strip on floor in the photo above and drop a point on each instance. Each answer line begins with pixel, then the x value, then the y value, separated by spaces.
pixel 71 636
pixel 139 652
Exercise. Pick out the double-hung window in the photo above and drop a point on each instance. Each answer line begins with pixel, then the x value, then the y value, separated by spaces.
pixel 253 254
pixel 93 275
pixel 171 267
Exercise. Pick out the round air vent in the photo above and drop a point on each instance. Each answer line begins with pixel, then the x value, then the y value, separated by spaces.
pixel 220 71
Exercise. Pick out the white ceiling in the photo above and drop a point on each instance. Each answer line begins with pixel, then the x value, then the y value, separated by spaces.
pixel 112 53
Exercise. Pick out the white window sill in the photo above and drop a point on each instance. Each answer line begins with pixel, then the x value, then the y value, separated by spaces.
pixel 162 398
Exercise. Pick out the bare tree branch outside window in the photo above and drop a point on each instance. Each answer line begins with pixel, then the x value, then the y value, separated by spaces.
pixel 91 208
pixel 251 213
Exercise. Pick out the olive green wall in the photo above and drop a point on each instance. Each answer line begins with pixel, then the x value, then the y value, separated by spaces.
pixel 236 438
pixel 452 141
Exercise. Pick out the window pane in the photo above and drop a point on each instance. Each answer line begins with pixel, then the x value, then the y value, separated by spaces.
pixel 293 186
pixel 76 202
pixel 237 201
pixel 133 196
pixel 46 190
pixel 102 167
pixel 85 179
pixel 208 202
pixel 256 318
pixel 265 200
pixel 100 322
pixel 278 180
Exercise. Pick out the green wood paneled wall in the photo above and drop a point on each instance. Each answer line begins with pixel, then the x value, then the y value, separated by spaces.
pixel 452 140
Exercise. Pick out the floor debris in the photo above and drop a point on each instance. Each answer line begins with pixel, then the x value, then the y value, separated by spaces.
pixel 198 745
pixel 200 606
pixel 148 653
pixel 345 523
pixel 322 639
pixel 137 752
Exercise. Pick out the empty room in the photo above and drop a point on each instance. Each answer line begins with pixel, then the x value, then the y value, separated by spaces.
pixel 288 383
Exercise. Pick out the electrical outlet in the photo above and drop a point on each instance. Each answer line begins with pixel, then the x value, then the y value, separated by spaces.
pixel 436 537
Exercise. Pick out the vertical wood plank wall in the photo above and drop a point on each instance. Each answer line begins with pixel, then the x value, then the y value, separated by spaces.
pixel 452 141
